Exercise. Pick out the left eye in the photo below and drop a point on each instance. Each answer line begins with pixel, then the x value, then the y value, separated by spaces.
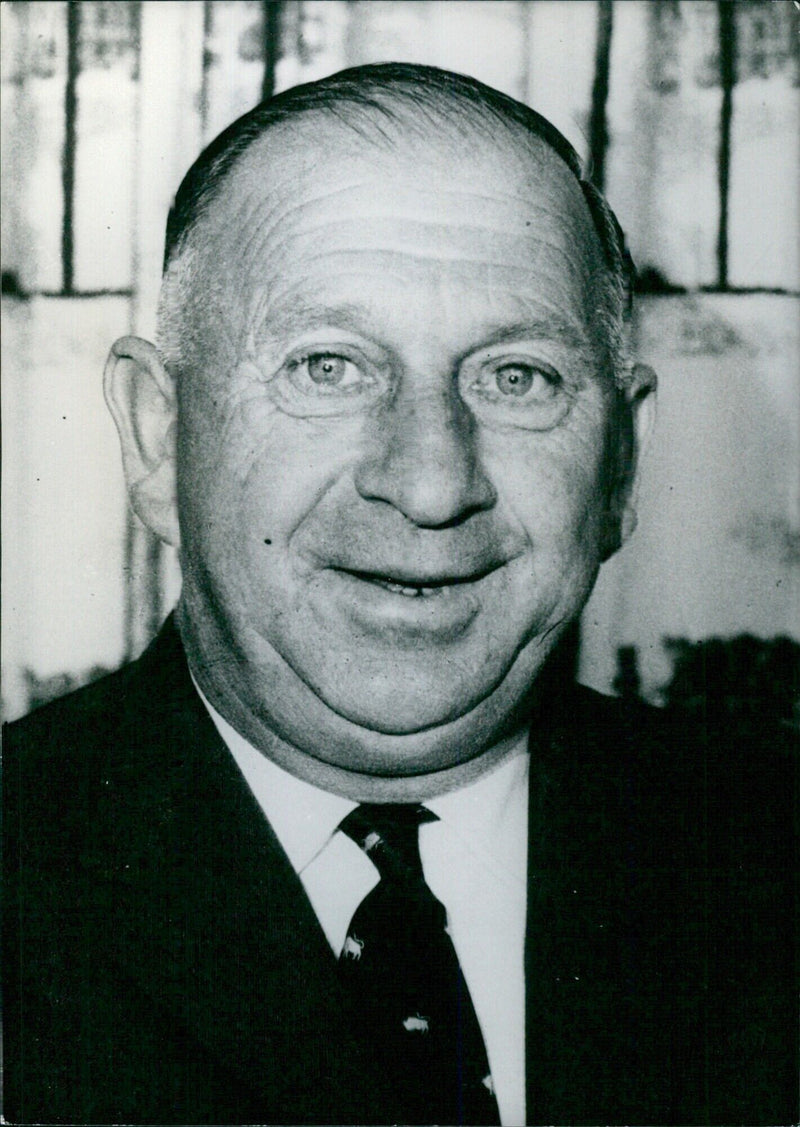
pixel 325 373
pixel 518 379
pixel 514 391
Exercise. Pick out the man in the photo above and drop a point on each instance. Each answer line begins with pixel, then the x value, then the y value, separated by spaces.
pixel 392 425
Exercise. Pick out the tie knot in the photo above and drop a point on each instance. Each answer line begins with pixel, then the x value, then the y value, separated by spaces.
pixel 389 835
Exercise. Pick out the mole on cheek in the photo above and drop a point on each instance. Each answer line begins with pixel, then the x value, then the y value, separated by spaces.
pixel 267 540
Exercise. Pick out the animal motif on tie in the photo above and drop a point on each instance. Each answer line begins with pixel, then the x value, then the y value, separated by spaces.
pixel 416 1023
pixel 353 946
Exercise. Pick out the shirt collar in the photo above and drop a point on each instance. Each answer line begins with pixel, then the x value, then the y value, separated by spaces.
pixel 490 814
pixel 305 817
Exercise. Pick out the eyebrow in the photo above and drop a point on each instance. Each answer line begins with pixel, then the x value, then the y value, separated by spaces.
pixel 553 327
pixel 296 319
pixel 299 318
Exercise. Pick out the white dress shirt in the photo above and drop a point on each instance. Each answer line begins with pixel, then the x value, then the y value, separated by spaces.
pixel 474 859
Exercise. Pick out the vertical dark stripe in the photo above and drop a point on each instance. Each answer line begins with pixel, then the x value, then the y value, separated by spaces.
pixel 208 23
pixel 598 126
pixel 727 66
pixel 129 640
pixel 155 594
pixel 272 31
pixel 68 154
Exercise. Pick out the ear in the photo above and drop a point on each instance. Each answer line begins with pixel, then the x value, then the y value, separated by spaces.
pixel 633 427
pixel 141 397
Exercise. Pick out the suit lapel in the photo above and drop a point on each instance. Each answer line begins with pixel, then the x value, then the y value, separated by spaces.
pixel 597 909
pixel 214 923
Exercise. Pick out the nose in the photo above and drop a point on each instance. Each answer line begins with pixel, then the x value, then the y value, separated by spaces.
pixel 422 458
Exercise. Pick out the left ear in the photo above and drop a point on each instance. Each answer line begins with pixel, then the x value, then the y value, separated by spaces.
pixel 635 416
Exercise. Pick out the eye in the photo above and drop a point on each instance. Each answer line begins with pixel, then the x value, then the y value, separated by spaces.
pixel 325 373
pixel 514 391
pixel 518 379
pixel 327 381
pixel 326 369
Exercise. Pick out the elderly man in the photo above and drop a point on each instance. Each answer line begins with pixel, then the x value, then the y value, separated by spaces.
pixel 343 846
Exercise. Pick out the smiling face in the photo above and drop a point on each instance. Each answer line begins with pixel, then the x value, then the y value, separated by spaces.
pixel 395 451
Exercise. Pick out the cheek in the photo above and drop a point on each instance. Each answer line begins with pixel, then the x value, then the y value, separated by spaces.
pixel 554 488
pixel 233 440
pixel 278 472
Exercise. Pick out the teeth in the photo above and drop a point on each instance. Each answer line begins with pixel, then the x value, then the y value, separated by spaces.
pixel 409 592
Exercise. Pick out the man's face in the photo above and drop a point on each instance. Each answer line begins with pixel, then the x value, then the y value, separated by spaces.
pixel 394 457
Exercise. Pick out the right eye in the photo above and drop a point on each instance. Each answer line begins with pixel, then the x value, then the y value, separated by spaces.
pixel 335 380
pixel 326 373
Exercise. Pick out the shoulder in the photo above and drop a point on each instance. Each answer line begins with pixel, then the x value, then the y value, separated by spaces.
pixel 681 784
pixel 52 769
pixel 663 855
pixel 87 716
pixel 58 760
pixel 637 735
pixel 86 720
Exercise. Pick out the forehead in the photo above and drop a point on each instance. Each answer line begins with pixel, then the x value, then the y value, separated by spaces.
pixel 314 215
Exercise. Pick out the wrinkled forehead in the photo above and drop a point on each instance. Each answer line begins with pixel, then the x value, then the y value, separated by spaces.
pixel 489 230
pixel 300 171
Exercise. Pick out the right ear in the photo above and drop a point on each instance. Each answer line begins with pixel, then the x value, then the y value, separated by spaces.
pixel 142 399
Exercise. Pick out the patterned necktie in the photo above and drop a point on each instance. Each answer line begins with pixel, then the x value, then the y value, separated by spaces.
pixel 413 1008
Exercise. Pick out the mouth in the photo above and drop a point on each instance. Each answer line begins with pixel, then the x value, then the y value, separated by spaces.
pixel 405 603
pixel 417 587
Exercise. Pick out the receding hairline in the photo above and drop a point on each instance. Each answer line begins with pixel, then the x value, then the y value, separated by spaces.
pixel 385 105
pixel 418 162
pixel 378 101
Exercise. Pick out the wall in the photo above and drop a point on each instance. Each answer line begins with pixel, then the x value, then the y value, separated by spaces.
pixel 686 112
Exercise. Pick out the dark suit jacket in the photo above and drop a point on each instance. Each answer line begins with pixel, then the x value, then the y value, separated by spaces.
pixel 163 965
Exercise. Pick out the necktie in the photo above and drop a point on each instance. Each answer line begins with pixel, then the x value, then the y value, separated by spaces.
pixel 412 1006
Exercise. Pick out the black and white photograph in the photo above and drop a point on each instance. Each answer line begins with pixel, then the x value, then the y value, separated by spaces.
pixel 400 562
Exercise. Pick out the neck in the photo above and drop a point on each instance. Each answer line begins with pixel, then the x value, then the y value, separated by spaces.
pixel 467 754
pixel 360 787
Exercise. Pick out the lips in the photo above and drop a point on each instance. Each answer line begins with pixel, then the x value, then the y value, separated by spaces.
pixel 417 586
pixel 409 603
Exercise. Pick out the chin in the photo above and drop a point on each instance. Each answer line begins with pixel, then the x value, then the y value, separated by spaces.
pixel 403 698
pixel 395 713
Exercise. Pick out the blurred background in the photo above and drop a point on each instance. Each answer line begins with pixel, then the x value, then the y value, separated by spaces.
pixel 687 114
